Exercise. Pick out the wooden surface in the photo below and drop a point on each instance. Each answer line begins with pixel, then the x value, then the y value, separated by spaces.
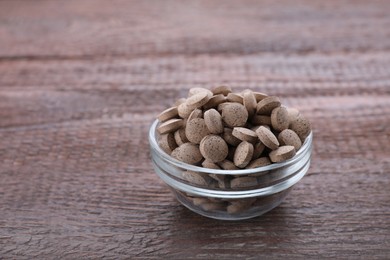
pixel 82 80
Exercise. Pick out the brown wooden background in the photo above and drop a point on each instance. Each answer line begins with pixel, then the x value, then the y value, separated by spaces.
pixel 82 80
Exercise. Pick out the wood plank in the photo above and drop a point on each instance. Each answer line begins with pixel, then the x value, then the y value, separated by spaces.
pixel 317 73
pixel 88 167
pixel 51 30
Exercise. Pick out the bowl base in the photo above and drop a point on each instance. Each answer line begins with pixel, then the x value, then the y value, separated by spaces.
pixel 260 206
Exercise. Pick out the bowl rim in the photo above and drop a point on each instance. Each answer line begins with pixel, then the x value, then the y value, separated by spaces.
pixel 166 157
pixel 235 194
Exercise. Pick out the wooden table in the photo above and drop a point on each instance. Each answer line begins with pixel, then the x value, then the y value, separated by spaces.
pixel 81 81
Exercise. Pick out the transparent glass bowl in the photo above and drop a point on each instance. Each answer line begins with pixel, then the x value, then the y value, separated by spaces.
pixel 260 190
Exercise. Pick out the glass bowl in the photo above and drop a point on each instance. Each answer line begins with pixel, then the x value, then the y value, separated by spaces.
pixel 229 194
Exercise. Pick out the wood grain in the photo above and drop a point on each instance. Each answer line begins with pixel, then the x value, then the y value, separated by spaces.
pixel 81 82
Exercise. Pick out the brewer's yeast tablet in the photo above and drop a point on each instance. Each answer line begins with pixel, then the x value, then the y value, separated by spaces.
pixel 267 138
pixel 170 126
pixel 213 121
pixel 289 137
pixel 243 154
pixel 188 153
pixel 235 115
pixel 214 148
pixel 282 153
pixel 168 114
pixel 196 129
pixel 266 105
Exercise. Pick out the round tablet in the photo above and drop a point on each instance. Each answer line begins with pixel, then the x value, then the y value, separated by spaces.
pixel 249 102
pixel 260 162
pixel 266 105
pixel 261 120
pixel 184 110
pixel 214 101
pixel 234 97
pixel 228 165
pixel 245 134
pixel 198 100
pixel 214 148
pixel 229 138
pixel 259 96
pixel 170 126
pixel 224 90
pixel 188 153
pixel 293 113
pixel 167 142
pixel 196 129
pixel 197 178
pixel 279 118
pixel 267 138
pixel 301 126
pixel 180 136
pixel 197 113
pixel 289 137
pixel 222 106
pixel 213 121
pixel 243 154
pixel 168 114
pixel 235 115
pixel 210 165
pixel 282 153
pixel 197 90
